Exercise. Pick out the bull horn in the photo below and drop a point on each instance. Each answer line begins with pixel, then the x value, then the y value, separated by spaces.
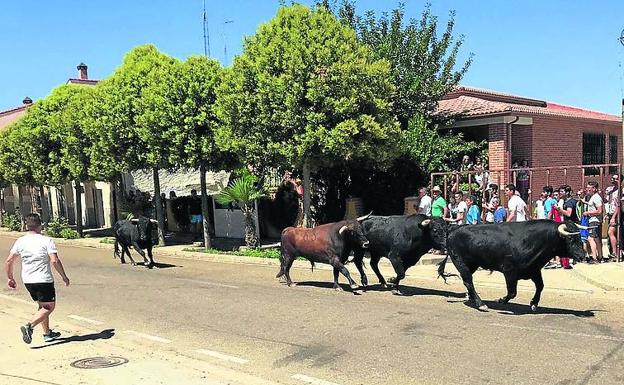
pixel 134 220
pixel 562 230
pixel 153 220
pixel 582 227
pixel 360 219
pixel 426 222
pixel 342 230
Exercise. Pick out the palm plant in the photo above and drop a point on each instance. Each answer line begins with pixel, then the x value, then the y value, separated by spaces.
pixel 244 191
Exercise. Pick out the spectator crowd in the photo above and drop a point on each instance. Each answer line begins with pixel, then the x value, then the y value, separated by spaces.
pixel 590 207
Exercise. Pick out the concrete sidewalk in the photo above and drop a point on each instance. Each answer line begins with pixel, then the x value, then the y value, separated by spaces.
pixel 603 277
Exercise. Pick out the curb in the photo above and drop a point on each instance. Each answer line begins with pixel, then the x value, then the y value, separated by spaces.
pixel 596 282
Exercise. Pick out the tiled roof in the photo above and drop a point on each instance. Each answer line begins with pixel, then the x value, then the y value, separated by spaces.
pixel 9 116
pixel 474 102
pixel 83 81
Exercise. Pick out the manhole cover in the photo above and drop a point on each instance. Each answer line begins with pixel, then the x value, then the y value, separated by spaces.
pixel 99 362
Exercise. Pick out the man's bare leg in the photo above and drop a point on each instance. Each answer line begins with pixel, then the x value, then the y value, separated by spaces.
pixel 43 316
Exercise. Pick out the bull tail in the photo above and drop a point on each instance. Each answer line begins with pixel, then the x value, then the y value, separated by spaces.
pixel 441 272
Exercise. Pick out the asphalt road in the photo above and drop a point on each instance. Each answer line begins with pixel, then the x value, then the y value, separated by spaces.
pixel 428 336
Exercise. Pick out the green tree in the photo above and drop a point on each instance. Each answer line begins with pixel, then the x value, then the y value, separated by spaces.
pixel 182 101
pixel 244 191
pixel 424 67
pixel 306 93
pixel 132 129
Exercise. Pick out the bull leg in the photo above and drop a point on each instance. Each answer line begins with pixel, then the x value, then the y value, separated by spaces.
pixel 116 249
pixel 397 264
pixel 136 247
pixel 127 250
pixel 289 264
pixel 466 274
pixel 151 257
pixel 539 286
pixel 375 266
pixel 336 286
pixel 512 288
pixel 340 267
pixel 358 260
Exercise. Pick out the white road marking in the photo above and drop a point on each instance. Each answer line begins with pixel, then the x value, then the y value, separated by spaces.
pixel 555 331
pixel 87 320
pixel 208 283
pixel 15 299
pixel 222 356
pixel 149 337
pixel 312 380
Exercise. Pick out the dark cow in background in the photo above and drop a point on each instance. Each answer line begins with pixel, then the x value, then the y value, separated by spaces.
pixel 403 239
pixel 329 243
pixel 136 233
pixel 517 249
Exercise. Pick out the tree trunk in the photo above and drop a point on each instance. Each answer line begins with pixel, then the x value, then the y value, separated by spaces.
pixel 306 194
pixel 159 209
pixel 18 208
pixel 45 207
pixel 204 207
pixel 251 238
pixel 78 205
pixel 1 207
pixel 114 199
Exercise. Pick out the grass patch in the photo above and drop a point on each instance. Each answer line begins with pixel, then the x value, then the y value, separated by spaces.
pixel 109 241
pixel 260 253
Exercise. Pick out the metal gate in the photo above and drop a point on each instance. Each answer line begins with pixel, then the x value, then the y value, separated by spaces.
pixel 575 176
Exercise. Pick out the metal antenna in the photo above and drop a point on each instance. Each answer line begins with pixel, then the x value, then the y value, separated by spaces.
pixel 206 33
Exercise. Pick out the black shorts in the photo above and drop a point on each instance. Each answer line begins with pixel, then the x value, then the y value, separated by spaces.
pixel 41 292
pixel 595 230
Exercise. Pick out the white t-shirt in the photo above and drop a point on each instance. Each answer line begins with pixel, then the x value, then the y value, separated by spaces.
pixel 424 207
pixel 34 250
pixel 594 202
pixel 462 207
pixel 517 204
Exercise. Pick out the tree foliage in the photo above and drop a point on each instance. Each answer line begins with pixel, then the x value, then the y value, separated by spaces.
pixel 128 129
pixel 304 89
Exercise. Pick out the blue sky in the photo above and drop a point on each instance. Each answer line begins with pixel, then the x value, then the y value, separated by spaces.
pixel 561 51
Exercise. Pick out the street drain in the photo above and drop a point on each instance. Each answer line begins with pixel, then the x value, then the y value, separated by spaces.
pixel 99 362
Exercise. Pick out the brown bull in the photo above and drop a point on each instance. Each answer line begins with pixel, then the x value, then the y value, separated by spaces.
pixel 329 243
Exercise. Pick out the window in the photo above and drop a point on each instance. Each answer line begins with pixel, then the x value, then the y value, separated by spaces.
pixel 593 151
pixel 613 153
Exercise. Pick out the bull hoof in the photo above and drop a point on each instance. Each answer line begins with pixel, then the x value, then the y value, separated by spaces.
pixel 150 266
pixel 502 300
pixel 354 286
pixel 533 308
pixel 392 280
pixel 396 292
pixel 483 307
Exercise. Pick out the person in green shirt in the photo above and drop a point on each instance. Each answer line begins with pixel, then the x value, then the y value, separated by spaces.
pixel 438 207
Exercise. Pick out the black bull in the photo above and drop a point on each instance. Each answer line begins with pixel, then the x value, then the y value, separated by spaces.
pixel 518 249
pixel 135 233
pixel 403 239
pixel 329 243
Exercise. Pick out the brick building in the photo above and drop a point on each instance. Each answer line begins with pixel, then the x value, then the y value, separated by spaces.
pixel 545 134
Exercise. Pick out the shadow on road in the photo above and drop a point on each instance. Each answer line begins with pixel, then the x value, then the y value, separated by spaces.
pixel 406 291
pixel 159 265
pixel 103 335
pixel 522 309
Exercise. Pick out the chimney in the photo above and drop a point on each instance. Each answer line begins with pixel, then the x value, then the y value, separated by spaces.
pixel 82 71
pixel 27 100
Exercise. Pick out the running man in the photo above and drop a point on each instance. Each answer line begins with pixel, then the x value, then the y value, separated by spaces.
pixel 38 254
